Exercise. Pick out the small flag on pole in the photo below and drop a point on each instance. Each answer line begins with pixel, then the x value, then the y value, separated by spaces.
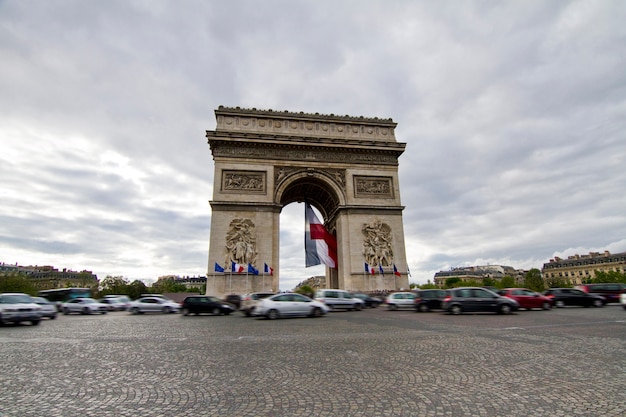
pixel 380 268
pixel 369 269
pixel 218 268
pixel 269 270
pixel 238 268
pixel 395 270
pixel 252 270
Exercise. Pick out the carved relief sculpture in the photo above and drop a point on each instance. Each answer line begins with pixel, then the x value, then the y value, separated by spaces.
pixel 373 186
pixel 377 244
pixel 241 242
pixel 243 181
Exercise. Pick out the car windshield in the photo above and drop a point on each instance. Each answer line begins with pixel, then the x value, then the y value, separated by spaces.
pixel 16 299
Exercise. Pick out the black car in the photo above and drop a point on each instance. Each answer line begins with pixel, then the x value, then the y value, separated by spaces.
pixel 562 297
pixel 476 299
pixel 234 299
pixel 427 300
pixel 369 301
pixel 610 291
pixel 198 304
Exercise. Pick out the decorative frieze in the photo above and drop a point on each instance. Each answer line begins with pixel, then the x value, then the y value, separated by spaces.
pixel 322 155
pixel 244 181
pixel 271 122
pixel 368 186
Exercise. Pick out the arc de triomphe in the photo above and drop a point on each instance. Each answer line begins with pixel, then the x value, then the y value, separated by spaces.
pixel 346 167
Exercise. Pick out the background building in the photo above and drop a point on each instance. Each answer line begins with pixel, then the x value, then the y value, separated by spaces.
pixel 479 273
pixel 577 268
pixel 48 277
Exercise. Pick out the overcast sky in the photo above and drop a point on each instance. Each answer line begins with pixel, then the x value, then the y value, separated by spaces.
pixel 513 112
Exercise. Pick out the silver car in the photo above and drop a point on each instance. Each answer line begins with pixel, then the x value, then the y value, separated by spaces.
pixel 398 300
pixel 289 305
pixel 17 308
pixel 153 305
pixel 48 309
pixel 84 305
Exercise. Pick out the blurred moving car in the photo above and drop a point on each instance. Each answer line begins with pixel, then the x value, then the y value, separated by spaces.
pixel 234 299
pixel 610 292
pixel 17 308
pixel 289 305
pixel 476 299
pixel 562 297
pixel 622 300
pixel 336 299
pixel 198 304
pixel 369 301
pixel 527 299
pixel 153 304
pixel 114 303
pixel 402 299
pixel 84 305
pixel 48 308
pixel 426 300
pixel 126 299
pixel 249 301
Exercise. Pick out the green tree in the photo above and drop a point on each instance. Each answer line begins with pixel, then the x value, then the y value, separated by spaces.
pixel 16 282
pixel 608 277
pixel 136 288
pixel 453 282
pixel 168 285
pixel 305 290
pixel 489 282
pixel 506 282
pixel 533 280
pixel 114 285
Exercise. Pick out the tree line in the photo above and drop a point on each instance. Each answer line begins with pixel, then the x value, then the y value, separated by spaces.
pixel 117 285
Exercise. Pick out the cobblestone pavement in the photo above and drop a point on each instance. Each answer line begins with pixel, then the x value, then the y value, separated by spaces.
pixel 564 362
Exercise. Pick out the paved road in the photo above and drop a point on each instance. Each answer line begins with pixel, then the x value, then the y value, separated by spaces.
pixel 564 362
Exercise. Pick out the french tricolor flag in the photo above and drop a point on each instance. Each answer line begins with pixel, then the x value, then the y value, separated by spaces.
pixel 369 269
pixel 320 246
pixel 238 268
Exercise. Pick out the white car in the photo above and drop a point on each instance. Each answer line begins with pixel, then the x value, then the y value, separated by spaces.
pixel 17 308
pixel 84 305
pixel 153 305
pixel 336 299
pixel 289 305
pixel 114 303
pixel 622 300
pixel 48 309
pixel 398 300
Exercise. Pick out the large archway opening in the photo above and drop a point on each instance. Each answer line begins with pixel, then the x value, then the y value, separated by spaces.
pixel 325 203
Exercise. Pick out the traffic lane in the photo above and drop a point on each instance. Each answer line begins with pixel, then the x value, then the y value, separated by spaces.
pixel 608 321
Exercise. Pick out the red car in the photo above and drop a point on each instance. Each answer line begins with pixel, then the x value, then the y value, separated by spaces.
pixel 527 299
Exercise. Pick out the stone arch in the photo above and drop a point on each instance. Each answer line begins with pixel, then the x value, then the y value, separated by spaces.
pixel 346 167
pixel 316 187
